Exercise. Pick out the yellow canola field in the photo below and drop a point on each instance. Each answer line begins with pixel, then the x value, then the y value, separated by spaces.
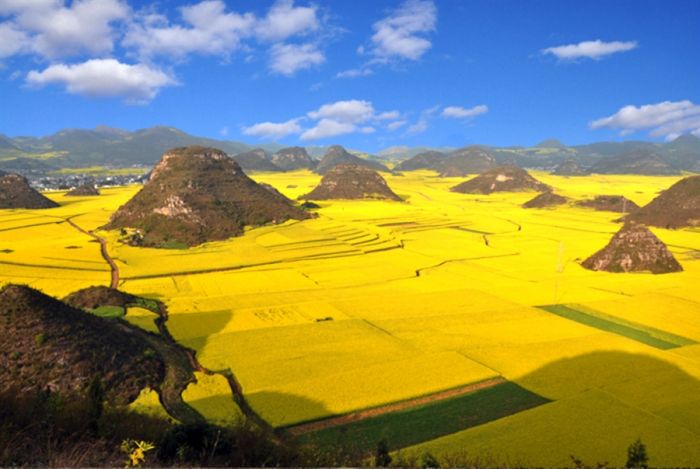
pixel 374 302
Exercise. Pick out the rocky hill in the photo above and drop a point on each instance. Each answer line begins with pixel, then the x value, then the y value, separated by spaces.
pixel 424 160
pixel 291 158
pixel 349 181
pixel 634 249
pixel 469 160
pixel 641 161
pixel 676 207
pixel 501 179
pixel 256 159
pixel 546 199
pixel 198 194
pixel 609 203
pixel 84 190
pixel 15 192
pixel 48 345
pixel 569 167
pixel 336 155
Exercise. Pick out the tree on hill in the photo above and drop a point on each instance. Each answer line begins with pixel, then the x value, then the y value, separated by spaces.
pixel 382 457
pixel 637 455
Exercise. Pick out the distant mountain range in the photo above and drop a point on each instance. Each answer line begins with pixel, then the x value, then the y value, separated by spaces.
pixel 106 146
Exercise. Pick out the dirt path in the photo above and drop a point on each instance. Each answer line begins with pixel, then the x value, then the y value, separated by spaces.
pixel 114 280
pixel 388 408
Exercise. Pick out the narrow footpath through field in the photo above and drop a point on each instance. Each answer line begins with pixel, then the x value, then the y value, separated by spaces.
pixel 393 407
pixel 114 282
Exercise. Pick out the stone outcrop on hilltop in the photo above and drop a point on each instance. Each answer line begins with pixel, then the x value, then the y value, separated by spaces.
pixel 199 194
pixel 349 181
pixel 501 179
pixel 634 249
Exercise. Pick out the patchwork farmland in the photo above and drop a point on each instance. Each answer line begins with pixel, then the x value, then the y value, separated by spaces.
pixel 353 326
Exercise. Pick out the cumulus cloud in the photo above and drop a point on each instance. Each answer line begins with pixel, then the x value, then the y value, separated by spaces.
pixel 401 35
pixel 287 59
pixel 52 29
pixel 458 112
pixel 328 128
pixel 273 130
pixel 208 29
pixel 392 126
pixel 105 78
pixel 12 40
pixel 284 20
pixel 666 119
pixel 351 111
pixel 589 49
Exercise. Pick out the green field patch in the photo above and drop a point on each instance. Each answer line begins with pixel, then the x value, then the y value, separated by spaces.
pixel 412 426
pixel 109 311
pixel 647 335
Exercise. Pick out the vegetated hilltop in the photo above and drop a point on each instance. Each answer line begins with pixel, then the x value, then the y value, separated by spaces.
pixel 336 155
pixel 291 158
pixel 198 194
pixel 634 249
pixel 474 159
pixel 96 296
pixel 676 207
pixel 640 161
pixel 350 181
pixel 256 159
pixel 84 190
pixel 425 160
pixel 15 192
pixel 609 203
pixel 47 344
pixel 501 179
pixel 569 167
pixel 546 199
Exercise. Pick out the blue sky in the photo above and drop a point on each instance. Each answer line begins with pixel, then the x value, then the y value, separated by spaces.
pixel 367 74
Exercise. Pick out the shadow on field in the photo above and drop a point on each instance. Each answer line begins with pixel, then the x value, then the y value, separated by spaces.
pixel 278 407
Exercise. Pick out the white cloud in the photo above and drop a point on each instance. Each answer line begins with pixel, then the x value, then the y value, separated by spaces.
pixel 273 130
pixel 458 112
pixel 284 20
pixel 367 129
pixel 328 128
pixel 401 34
pixel 52 29
pixel 668 118
pixel 287 59
pixel 388 115
pixel 105 78
pixel 395 125
pixel 422 124
pixel 224 131
pixel 351 111
pixel 589 49
pixel 12 40
pixel 209 29
pixel 354 73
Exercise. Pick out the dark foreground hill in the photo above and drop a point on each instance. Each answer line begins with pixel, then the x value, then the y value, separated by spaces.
pixel 15 192
pixel 48 345
pixel 336 155
pixel 199 194
pixel 634 249
pixel 676 207
pixel 349 181
pixel 501 179
pixel 610 203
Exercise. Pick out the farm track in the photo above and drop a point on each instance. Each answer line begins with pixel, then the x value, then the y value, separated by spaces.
pixel 114 270
pixel 340 420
